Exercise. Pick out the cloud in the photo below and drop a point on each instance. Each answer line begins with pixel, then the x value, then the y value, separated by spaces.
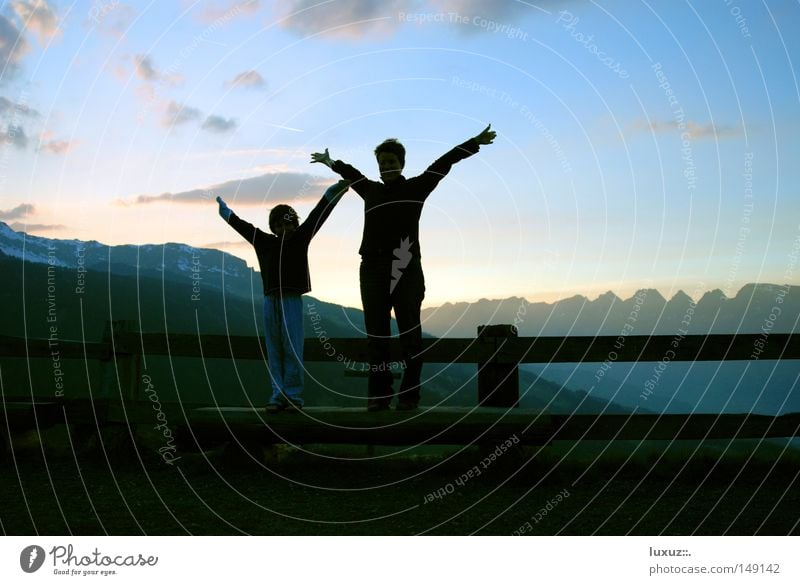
pixel 696 131
pixel 56 146
pixel 38 17
pixel 349 19
pixel 17 108
pixel 500 11
pixel 212 14
pixel 712 130
pixel 248 79
pixel 267 188
pixel 176 114
pixel 13 47
pixel 218 124
pixel 111 18
pixel 36 227
pixel 20 211
pixel 144 68
pixel 35 16
pixel 227 245
pixel 357 19
pixel 15 136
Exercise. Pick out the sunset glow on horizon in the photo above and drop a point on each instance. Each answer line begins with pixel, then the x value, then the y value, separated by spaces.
pixel 638 145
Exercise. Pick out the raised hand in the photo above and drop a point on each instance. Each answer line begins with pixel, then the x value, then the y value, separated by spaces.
pixel 322 157
pixel 335 191
pixel 487 136
pixel 224 211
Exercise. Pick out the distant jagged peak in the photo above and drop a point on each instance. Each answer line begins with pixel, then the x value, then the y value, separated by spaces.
pixel 483 302
pixel 648 294
pixel 680 297
pixel 713 296
pixel 573 300
pixel 752 289
pixel 607 297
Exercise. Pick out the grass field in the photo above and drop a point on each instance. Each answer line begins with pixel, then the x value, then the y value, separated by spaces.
pixel 740 488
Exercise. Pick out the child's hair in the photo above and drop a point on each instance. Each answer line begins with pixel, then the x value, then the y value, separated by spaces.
pixel 392 145
pixel 279 213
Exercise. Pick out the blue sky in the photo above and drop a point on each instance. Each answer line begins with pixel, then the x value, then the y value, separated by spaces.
pixel 640 144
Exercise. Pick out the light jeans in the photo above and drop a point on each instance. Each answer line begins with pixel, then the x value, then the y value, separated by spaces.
pixel 283 332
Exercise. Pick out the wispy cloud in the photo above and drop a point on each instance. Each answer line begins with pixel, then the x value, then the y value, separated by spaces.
pixel 56 146
pixel 712 130
pixel 111 18
pixel 248 79
pixel 499 11
pixel 143 65
pixel 176 114
pixel 227 245
pixel 36 227
pixel 20 211
pixel 13 47
pixel 267 188
pixel 213 12
pixel 15 136
pixel 218 124
pixel 38 17
pixel 695 130
pixel 348 19
pixel 25 16
pixel 17 108
pixel 357 19
pixel 145 69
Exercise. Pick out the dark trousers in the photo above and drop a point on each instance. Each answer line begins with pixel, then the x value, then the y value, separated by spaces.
pixel 381 291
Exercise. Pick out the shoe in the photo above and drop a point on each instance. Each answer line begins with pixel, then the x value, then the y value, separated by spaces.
pixel 377 405
pixel 293 407
pixel 406 405
pixel 275 407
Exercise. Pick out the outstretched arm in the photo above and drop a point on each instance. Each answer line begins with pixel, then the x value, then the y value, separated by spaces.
pixel 323 209
pixel 225 212
pixel 322 157
pixel 487 136
pixel 353 175
pixel 441 166
pixel 247 230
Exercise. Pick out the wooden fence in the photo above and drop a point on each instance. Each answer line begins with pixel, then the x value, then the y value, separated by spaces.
pixel 496 351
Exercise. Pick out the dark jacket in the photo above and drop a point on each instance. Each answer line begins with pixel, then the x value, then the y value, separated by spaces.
pixel 284 261
pixel 392 211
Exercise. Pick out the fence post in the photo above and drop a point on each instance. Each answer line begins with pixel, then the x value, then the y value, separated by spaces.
pixel 498 384
pixel 128 365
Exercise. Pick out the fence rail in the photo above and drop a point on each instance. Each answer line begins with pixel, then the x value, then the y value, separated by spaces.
pixel 504 350
pixel 496 351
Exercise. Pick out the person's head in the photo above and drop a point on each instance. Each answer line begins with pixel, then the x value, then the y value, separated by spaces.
pixel 391 157
pixel 283 220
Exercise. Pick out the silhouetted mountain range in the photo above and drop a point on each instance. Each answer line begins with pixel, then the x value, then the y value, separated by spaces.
pixel 177 288
pixel 766 387
pixel 607 314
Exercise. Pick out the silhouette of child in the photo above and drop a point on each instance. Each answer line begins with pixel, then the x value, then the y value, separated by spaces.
pixel 283 260
pixel 391 271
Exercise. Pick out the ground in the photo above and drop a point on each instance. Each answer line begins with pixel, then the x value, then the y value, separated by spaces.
pixel 738 488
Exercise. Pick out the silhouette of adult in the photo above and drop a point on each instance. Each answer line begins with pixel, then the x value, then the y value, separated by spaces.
pixel 391 274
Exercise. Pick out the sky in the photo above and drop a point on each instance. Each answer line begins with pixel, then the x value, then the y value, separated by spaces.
pixel 639 144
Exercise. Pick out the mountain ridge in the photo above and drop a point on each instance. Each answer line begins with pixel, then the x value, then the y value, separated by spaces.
pixel 182 259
